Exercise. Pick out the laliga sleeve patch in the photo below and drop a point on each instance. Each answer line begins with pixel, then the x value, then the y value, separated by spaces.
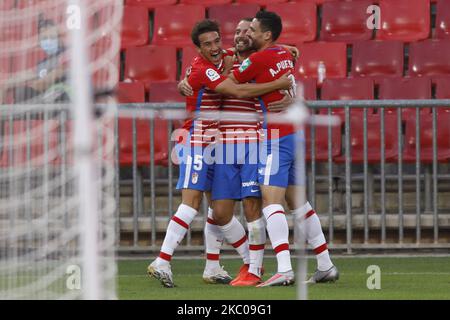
pixel 245 64
pixel 212 75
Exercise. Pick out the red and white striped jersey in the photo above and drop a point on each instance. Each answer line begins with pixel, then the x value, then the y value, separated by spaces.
pixel 203 77
pixel 245 130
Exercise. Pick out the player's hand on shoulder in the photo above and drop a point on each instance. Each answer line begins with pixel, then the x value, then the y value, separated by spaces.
pixel 184 88
pixel 228 64
pixel 285 82
pixel 282 104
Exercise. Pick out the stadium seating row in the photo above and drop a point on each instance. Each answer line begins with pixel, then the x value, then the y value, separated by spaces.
pixel 373 59
pixel 332 89
pixel 342 21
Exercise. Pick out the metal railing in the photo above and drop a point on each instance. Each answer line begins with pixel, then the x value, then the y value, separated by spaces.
pixel 340 181
pixel 409 209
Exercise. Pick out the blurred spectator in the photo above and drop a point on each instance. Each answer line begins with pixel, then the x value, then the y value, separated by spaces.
pixel 47 82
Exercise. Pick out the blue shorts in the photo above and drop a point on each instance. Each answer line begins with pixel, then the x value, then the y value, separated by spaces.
pixel 196 167
pixel 277 166
pixel 236 172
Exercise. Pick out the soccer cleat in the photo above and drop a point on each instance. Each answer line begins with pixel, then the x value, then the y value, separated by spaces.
pixel 279 279
pixel 161 273
pixel 331 275
pixel 217 275
pixel 242 272
pixel 247 280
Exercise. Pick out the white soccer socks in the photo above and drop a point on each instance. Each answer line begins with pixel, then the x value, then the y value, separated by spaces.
pixel 278 230
pixel 176 231
pixel 257 241
pixel 235 235
pixel 213 242
pixel 310 226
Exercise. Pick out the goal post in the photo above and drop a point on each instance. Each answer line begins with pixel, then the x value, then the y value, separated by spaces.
pixel 58 58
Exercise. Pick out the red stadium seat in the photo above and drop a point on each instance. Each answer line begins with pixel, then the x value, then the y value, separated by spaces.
pixel 443 19
pixel 347 89
pixel 16 30
pixel 405 88
pixel 135 27
pixel 443 88
pixel 228 17
pixel 426 138
pixel 299 21
pixel 102 75
pixel 443 92
pixel 143 142
pixel 345 21
pixel 27 60
pixel 130 92
pixel 262 2
pixel 373 139
pixel 404 21
pixel 165 92
pixel 39 134
pixel 429 58
pixel 321 142
pixel 309 88
pixel 188 54
pixel 206 2
pixel 134 93
pixel 151 64
pixel 173 27
pixel 150 3
pixel 377 59
pixel 333 55
pixel 7 4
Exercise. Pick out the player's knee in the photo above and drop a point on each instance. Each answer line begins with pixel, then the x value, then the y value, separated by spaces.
pixel 192 198
pixel 252 209
pixel 222 216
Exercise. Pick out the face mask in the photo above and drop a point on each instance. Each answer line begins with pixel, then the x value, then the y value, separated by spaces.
pixel 50 46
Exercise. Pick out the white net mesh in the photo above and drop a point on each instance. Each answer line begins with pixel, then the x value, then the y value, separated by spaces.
pixel 41 230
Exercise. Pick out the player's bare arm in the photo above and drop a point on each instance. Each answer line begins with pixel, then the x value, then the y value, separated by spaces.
pixel 184 88
pixel 281 105
pixel 249 90
pixel 293 50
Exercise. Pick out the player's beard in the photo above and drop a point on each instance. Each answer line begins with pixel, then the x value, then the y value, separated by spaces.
pixel 243 44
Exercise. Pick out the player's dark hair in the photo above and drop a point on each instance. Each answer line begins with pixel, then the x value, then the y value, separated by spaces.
pixel 45 23
pixel 247 19
pixel 270 21
pixel 202 27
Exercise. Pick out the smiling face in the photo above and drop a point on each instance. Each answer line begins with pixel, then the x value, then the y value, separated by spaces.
pixel 257 37
pixel 211 46
pixel 242 42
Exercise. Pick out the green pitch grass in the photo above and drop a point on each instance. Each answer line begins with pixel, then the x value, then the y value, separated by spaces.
pixel 401 278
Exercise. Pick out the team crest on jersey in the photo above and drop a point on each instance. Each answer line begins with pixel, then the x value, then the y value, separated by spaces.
pixel 245 64
pixel 212 74
pixel 194 178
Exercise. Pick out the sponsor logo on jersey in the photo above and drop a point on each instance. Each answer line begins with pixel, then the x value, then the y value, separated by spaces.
pixel 250 184
pixel 212 74
pixel 245 64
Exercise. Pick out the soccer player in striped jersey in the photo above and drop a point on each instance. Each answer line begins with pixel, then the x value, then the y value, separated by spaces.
pixel 277 171
pixel 195 150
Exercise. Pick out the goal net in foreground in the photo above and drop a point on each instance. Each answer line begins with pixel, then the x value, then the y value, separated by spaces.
pixel 57 208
